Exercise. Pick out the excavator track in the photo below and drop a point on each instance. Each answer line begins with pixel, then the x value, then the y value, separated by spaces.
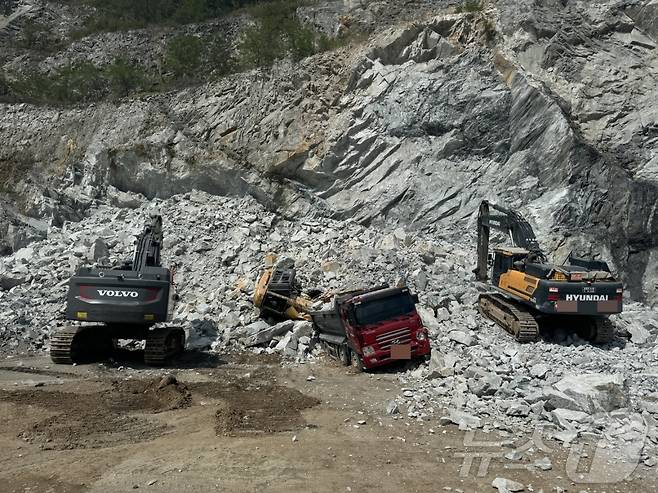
pixel 162 344
pixel 605 331
pixel 62 345
pixel 511 316
pixel 78 344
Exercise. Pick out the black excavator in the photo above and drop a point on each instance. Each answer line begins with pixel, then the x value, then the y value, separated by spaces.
pixel 529 292
pixel 122 302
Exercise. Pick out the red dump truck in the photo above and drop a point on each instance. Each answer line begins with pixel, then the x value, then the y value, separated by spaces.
pixel 373 327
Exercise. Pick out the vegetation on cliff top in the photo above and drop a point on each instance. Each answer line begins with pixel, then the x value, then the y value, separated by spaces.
pixel 273 33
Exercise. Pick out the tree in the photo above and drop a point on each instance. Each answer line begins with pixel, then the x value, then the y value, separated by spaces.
pixel 184 56
pixel 262 43
pixel 220 60
pixel 124 78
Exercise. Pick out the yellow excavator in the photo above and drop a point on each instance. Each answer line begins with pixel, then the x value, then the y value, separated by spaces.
pixel 278 294
pixel 526 291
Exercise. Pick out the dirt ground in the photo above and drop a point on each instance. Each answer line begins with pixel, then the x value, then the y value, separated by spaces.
pixel 245 423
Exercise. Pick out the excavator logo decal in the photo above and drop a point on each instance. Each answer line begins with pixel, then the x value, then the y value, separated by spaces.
pixel 118 294
pixel 586 297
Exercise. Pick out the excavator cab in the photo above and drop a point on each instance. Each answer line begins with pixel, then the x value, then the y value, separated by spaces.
pixel 505 259
pixel 278 293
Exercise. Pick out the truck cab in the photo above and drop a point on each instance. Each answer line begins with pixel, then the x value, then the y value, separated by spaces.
pixel 378 326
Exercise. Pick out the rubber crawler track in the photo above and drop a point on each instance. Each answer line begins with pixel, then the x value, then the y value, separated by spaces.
pixel 605 331
pixel 162 344
pixel 511 316
pixel 61 344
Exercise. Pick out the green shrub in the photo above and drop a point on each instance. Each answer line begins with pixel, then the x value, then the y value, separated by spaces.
pixel 470 6
pixel 261 44
pixel 71 84
pixel 218 55
pixel 184 56
pixel 37 36
pixel 125 79
pixel 301 40
pixel 277 33
pixel 79 83
pixel 121 15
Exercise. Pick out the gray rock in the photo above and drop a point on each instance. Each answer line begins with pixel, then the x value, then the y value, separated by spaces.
pixel 544 464
pixel 464 420
pixel 428 318
pixel 565 417
pixel 504 485
pixel 518 409
pixel 596 392
pixel 303 329
pixel 639 334
pixel 261 335
pixel 461 337
pixel 539 371
pixel 392 408
pixel 99 250
pixel 8 282
pixel 559 400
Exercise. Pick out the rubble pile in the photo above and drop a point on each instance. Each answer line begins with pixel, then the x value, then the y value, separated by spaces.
pixel 218 246
pixel 478 376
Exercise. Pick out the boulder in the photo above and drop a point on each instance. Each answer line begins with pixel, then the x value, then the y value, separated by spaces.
pixel 504 485
pixel 595 392
pixel 7 282
pixel 639 333
pixel 428 318
pixel 99 250
pixel 267 333
pixel 461 337
pixel 464 420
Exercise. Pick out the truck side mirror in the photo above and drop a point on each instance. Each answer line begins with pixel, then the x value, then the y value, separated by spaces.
pixel 414 297
pixel 490 259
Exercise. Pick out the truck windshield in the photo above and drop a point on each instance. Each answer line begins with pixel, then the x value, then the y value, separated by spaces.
pixel 376 311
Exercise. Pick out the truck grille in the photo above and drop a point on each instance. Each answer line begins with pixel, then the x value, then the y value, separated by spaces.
pixel 399 336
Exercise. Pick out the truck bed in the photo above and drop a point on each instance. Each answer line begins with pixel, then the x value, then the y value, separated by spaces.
pixel 328 322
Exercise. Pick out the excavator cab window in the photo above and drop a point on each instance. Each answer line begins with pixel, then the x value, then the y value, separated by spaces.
pixel 505 261
pixel 502 263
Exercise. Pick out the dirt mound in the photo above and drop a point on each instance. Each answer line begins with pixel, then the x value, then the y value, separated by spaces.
pixel 157 395
pixel 248 409
pixel 100 419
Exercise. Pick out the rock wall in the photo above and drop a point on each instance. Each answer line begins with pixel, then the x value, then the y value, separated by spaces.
pixel 547 106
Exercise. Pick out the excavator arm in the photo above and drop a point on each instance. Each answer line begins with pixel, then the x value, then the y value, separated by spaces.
pixel 512 223
pixel 149 244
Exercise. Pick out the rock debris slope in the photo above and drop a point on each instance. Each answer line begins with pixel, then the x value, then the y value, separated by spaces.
pixel 479 375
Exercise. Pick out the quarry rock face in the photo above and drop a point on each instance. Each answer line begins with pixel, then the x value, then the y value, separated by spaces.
pixel 545 107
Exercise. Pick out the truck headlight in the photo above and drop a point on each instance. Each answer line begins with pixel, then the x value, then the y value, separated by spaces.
pixel 421 335
pixel 368 351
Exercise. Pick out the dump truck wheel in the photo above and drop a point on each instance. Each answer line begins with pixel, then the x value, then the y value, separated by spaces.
pixel 358 363
pixel 344 354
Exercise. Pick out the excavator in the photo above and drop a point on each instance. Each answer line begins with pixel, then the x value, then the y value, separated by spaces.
pixel 122 302
pixel 278 294
pixel 526 291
